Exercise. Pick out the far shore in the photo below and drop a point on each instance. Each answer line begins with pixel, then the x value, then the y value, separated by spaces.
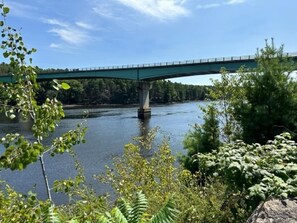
pixel 77 106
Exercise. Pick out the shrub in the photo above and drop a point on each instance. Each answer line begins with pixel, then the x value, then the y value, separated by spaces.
pixel 257 171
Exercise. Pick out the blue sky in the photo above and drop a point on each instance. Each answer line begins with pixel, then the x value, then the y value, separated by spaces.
pixel 92 33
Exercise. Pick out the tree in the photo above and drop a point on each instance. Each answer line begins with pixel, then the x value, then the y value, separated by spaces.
pixel 19 99
pixel 74 95
pixel 270 97
pixel 224 93
pixel 201 139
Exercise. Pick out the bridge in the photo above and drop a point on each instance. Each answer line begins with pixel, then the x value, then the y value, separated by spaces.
pixel 145 73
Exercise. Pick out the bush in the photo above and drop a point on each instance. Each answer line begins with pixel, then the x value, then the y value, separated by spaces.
pixel 159 178
pixel 257 171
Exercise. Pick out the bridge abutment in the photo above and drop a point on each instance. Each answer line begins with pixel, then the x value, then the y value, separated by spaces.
pixel 144 110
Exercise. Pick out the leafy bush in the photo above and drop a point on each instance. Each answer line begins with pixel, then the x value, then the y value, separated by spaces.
pixel 15 207
pixel 132 172
pixel 257 171
pixel 159 178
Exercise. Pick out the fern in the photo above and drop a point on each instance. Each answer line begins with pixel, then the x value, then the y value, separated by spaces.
pixel 118 216
pixel 167 214
pixel 124 213
pixel 138 208
pixel 124 207
pixel 53 216
pixel 105 218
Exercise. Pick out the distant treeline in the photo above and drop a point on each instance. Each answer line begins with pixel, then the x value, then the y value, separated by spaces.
pixel 116 91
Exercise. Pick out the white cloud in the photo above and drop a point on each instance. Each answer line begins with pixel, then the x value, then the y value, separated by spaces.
pixel 207 6
pixel 64 48
pixel 56 46
pixel 160 9
pixel 233 2
pixel 214 5
pixel 104 10
pixel 85 25
pixel 70 35
pixel 56 22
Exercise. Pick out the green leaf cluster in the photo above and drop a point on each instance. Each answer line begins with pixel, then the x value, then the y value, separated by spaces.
pixel 19 152
pixel 15 208
pixel 257 171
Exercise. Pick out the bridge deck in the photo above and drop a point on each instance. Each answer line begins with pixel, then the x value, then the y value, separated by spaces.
pixel 154 71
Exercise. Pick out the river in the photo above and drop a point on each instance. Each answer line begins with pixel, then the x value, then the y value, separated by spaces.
pixel 109 129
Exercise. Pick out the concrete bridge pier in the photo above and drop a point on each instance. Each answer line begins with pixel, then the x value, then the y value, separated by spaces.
pixel 144 110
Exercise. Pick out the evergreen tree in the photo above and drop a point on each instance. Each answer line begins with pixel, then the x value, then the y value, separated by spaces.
pixel 270 103
pixel 202 139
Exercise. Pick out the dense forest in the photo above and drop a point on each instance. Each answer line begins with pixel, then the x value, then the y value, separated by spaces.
pixel 115 91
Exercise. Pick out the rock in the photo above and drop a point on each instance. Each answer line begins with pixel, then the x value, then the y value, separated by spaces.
pixel 275 211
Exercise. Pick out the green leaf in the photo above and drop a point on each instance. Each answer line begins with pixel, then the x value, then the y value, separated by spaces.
pixel 5 10
pixel 65 86
pixel 6 54
pixel 20 166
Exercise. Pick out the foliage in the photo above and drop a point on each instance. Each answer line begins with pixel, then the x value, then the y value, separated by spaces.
pixel 159 178
pixel 202 139
pixel 270 97
pixel 257 171
pixel 16 208
pixel 224 93
pixel 19 100
pixel 257 104
pixel 133 172
pixel 135 213
pixel 84 204
pixel 211 203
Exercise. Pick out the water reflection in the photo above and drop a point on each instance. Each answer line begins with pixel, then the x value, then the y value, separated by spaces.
pixel 144 127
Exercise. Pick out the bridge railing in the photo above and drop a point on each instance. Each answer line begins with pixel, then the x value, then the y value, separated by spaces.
pixel 196 61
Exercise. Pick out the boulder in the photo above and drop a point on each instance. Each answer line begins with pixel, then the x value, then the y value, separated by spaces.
pixel 275 211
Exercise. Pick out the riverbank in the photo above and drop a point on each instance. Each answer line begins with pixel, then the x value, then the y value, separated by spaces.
pixel 81 106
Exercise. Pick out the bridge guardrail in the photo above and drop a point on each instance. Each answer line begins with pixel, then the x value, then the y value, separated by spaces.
pixel 196 61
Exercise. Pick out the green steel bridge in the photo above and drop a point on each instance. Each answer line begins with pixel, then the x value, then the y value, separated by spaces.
pixel 155 71
pixel 144 73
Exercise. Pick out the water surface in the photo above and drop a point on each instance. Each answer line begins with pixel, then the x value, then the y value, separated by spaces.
pixel 109 129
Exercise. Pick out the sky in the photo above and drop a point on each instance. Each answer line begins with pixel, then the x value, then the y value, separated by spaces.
pixel 93 33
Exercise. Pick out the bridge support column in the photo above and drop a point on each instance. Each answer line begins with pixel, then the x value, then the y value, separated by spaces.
pixel 144 110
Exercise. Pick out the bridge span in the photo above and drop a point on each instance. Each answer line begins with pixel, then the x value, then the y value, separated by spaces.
pixel 145 73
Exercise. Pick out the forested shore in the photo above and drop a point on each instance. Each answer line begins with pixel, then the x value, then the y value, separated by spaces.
pixel 115 91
